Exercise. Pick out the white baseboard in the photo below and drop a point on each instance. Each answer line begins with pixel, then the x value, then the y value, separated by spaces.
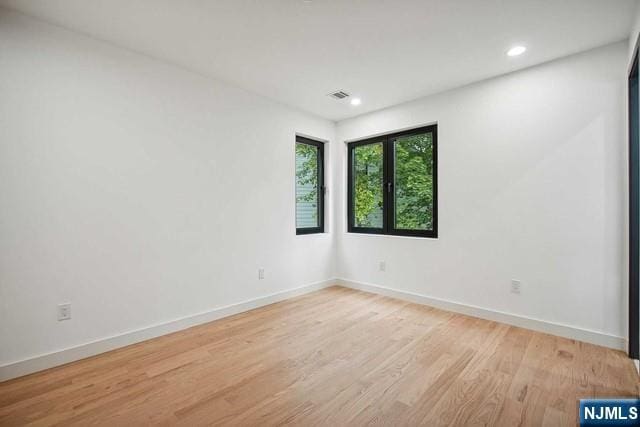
pixel 572 332
pixel 60 357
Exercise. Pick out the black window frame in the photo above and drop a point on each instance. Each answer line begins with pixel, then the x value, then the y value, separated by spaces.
pixel 321 187
pixel 388 226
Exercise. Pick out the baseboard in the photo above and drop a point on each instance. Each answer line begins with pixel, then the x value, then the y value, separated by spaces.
pixel 572 332
pixel 60 357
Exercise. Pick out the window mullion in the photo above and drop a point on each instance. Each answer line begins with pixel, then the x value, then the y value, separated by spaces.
pixel 388 186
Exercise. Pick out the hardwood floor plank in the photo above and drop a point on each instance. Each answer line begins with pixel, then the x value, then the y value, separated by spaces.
pixel 332 357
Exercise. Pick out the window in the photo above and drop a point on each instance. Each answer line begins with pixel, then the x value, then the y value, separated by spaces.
pixel 393 184
pixel 309 186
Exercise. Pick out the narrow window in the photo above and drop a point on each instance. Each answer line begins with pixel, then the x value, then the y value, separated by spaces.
pixel 392 186
pixel 309 186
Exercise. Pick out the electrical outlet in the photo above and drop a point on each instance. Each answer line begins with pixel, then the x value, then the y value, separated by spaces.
pixel 382 266
pixel 64 311
pixel 260 273
pixel 515 286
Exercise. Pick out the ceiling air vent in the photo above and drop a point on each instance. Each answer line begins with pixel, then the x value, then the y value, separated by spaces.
pixel 339 94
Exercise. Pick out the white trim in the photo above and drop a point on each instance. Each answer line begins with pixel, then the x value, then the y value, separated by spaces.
pixel 636 363
pixel 71 354
pixel 572 332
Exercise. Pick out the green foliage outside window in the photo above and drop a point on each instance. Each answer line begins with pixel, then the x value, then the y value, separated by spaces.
pixel 368 173
pixel 414 182
pixel 306 185
pixel 307 171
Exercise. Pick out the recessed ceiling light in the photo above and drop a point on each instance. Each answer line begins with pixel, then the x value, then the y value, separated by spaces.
pixel 516 50
pixel 356 101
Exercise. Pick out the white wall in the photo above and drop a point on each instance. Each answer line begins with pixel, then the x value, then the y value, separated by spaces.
pixel 142 193
pixel 531 187
pixel 137 191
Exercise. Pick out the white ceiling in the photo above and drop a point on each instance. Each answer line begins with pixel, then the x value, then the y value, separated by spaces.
pixel 383 51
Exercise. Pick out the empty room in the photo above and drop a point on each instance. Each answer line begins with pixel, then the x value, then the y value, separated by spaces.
pixel 319 212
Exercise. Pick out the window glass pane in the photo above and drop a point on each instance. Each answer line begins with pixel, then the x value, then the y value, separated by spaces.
pixel 367 187
pixel 306 186
pixel 413 182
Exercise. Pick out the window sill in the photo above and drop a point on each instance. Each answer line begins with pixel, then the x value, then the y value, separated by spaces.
pixel 393 236
pixel 314 233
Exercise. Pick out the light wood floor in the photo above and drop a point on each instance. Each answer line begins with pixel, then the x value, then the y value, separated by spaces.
pixel 335 357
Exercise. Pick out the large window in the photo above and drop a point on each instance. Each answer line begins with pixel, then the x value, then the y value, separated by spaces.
pixel 392 186
pixel 309 186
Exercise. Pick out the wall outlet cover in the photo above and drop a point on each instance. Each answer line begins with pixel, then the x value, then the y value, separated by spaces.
pixel 516 286
pixel 64 311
